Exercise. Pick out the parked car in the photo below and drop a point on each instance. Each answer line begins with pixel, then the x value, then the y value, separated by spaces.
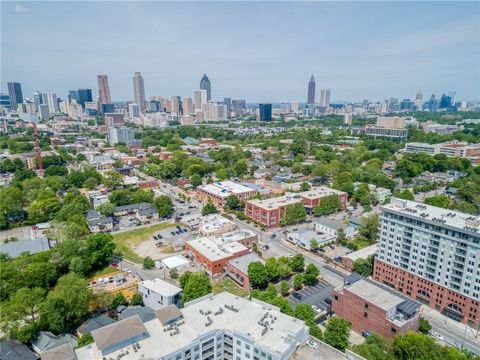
pixel 159 236
pixel 312 344
pixel 436 335
pixel 332 247
pixel 316 308
pixel 298 296
pixel 115 265
pixel 338 258
pixel 321 250
pixel 328 300
pixel 173 233
pixel 158 244
pixel 273 236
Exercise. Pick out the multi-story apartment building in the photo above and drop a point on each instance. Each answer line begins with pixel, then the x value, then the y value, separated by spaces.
pixel 372 307
pixel 218 192
pixel 221 326
pixel 270 211
pixel 449 148
pixel 432 255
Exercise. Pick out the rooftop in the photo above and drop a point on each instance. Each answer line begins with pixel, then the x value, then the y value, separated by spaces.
pixel 375 294
pixel 241 263
pixel 225 188
pixel 118 332
pixel 362 253
pixel 223 311
pixel 33 246
pixel 213 251
pixel 214 222
pixel 435 215
pixel 275 202
pixel 160 286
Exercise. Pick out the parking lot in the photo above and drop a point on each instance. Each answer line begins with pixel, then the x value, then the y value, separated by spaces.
pixel 314 295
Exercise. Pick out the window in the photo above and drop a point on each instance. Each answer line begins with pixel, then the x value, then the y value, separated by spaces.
pixel 393 330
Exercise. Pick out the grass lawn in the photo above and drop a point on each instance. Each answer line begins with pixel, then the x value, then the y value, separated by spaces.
pixel 230 286
pixel 126 240
pixel 361 244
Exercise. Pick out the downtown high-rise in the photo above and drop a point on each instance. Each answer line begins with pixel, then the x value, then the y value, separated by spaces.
pixel 205 84
pixel 432 255
pixel 325 98
pixel 15 93
pixel 103 90
pixel 139 91
pixel 311 91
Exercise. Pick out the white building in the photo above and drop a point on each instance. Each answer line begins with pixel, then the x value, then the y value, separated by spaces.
pixel 133 111
pixel 200 97
pixel 158 293
pixel 120 135
pixel 331 227
pixel 52 103
pixel 221 326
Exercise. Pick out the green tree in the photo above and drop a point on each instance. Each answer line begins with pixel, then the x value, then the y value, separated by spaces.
pixel 297 262
pixel 442 201
pixel 112 179
pixel 284 268
pixel 425 326
pixel 91 183
pixel 305 186
pixel 271 268
pixel 412 346
pixel 85 340
pixel 297 281
pixel 56 170
pixel 118 300
pixel 174 273
pixel 405 194
pixel 257 273
pixel 311 274
pixel 184 278
pixel 208 209
pixel 294 214
pixel 67 304
pixel 232 203
pixel 329 204
pixel 337 333
pixel 136 300
pixel 314 245
pixel 99 249
pixel 148 263
pixel 364 266
pixel 43 210
pixel 198 285
pixel 164 205
pixel 221 174
pixel 375 347
pixel 284 288
pixel 195 180
pixel 241 167
pixel 343 181
pixel 106 209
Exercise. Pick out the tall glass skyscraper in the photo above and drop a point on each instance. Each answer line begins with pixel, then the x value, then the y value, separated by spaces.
pixel 139 91
pixel 15 93
pixel 311 91
pixel 205 84
pixel 265 112
pixel 82 96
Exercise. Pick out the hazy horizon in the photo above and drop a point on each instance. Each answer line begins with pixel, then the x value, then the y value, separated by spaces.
pixel 258 51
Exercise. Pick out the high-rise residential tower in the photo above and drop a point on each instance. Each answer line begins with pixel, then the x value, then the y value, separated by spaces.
pixel 200 97
pixel 104 90
pixel 187 106
pixel 432 255
pixel 325 97
pixel 311 91
pixel 139 91
pixel 205 84
pixel 15 93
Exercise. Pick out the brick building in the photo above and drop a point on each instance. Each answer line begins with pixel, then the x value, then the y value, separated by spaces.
pixel 270 211
pixel 237 269
pixel 372 307
pixel 219 191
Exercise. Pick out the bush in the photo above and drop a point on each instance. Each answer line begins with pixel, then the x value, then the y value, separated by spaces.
pixel 148 263
pixel 136 300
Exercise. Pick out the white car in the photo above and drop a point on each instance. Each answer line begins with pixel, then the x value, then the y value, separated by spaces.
pixel 437 336
pixel 315 308
pixel 312 344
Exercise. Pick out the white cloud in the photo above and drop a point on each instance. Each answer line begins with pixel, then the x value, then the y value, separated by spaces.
pixel 20 9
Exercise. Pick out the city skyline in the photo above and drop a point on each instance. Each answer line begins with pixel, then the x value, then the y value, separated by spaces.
pixel 382 60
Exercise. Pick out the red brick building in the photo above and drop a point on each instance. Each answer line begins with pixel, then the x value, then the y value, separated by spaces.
pixel 270 211
pixel 219 191
pixel 442 299
pixel 148 184
pixel 237 269
pixel 372 307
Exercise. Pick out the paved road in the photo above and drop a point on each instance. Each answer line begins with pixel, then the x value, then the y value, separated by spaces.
pixel 455 333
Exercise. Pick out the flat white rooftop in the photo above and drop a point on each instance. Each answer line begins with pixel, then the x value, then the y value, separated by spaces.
pixel 376 295
pixel 214 252
pixel 282 334
pixel 225 188
pixel 161 287
pixel 436 215
pixel 276 202
pixel 362 253
pixel 214 222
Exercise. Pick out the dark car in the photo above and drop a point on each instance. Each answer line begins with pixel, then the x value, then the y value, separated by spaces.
pixel 338 258
pixel 155 237
pixel 173 233
pixel 159 236
pixel 328 300
pixel 273 236
pixel 321 250
pixel 298 296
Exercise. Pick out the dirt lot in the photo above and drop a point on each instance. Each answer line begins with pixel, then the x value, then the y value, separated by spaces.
pixel 20 233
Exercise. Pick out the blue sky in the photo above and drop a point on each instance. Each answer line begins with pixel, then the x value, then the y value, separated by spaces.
pixel 258 51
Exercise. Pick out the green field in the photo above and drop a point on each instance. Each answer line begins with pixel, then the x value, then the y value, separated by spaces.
pixel 126 240
pixel 230 286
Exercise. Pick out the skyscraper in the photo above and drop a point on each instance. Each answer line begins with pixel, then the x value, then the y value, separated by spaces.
pixel 104 89
pixel 52 102
pixel 419 99
pixel 187 106
pixel 311 91
pixel 15 93
pixel 82 96
pixel 37 100
pixel 206 85
pixel 265 112
pixel 139 91
pixel 200 97
pixel 4 101
pixel 239 107
pixel 228 103
pixel 325 97
pixel 175 104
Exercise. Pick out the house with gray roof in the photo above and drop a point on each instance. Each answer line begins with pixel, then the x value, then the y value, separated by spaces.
pixel 45 341
pixel 328 226
pixel 237 269
pixel 143 312
pixel 94 323
pixel 14 350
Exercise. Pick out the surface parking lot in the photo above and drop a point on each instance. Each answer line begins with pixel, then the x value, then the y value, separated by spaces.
pixel 314 295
